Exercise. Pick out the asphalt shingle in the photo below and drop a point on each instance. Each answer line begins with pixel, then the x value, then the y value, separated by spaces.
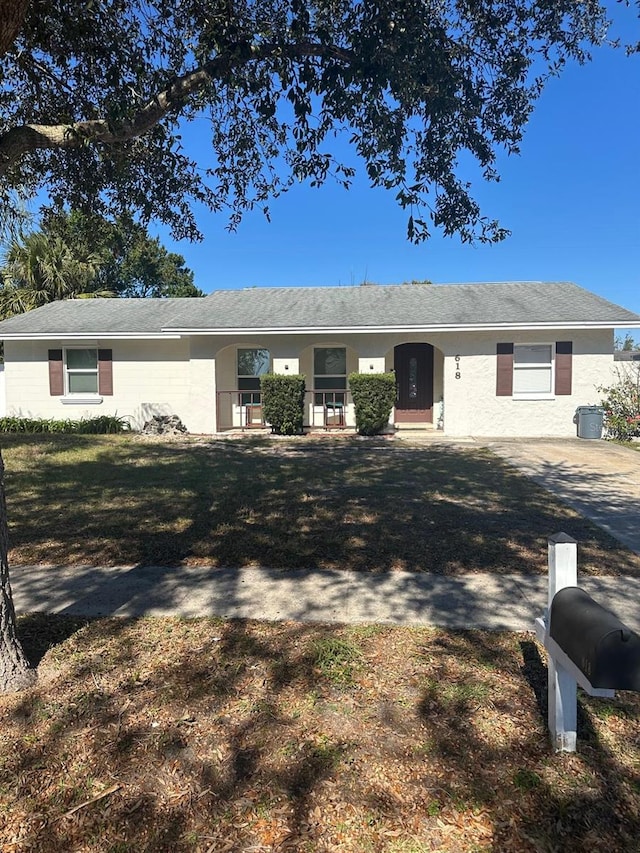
pixel 95 316
pixel 401 305
pixel 370 306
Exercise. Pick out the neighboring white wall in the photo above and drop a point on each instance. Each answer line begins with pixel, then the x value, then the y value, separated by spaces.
pixel 3 396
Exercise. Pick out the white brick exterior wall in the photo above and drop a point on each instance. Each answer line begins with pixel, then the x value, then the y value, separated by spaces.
pixel 149 378
pixel 182 377
pixel 472 408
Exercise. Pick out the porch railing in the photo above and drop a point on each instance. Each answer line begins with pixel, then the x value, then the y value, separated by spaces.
pixel 239 410
pixel 326 409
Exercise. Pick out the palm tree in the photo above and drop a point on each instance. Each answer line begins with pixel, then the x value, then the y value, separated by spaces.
pixel 39 269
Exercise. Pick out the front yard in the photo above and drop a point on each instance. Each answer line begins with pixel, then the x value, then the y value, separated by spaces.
pixel 205 736
pixel 235 736
pixel 365 505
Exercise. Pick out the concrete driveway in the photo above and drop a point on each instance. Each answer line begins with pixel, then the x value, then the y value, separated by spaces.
pixel 599 479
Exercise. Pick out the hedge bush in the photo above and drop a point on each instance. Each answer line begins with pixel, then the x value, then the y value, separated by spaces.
pixel 283 402
pixel 374 395
pixel 101 425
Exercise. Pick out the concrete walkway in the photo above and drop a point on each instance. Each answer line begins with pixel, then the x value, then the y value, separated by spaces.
pixel 401 598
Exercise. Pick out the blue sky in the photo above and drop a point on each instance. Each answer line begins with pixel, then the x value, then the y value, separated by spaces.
pixel 570 199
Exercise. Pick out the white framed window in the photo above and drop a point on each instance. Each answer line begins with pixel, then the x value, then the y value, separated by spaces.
pixel 81 371
pixel 329 368
pixel 533 370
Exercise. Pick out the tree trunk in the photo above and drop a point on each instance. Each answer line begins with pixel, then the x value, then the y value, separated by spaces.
pixel 15 673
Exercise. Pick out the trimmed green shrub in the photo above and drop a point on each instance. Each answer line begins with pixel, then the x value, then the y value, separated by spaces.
pixel 101 425
pixel 622 405
pixel 283 402
pixel 374 395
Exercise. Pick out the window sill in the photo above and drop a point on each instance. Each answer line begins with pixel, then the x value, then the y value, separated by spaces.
pixel 80 400
pixel 533 397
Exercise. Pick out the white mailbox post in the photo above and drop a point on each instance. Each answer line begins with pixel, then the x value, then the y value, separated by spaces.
pixel 564 675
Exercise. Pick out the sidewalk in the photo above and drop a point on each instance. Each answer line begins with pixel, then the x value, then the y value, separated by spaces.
pixel 502 602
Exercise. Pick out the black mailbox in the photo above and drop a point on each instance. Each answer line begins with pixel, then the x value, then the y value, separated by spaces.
pixel 600 645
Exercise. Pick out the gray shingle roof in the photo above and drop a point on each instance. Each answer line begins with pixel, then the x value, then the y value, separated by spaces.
pixel 401 305
pixel 92 316
pixel 371 306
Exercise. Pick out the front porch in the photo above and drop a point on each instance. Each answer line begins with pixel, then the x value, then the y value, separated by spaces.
pixel 328 404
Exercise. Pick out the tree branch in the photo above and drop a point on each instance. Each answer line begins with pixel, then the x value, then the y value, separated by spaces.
pixel 12 15
pixel 18 141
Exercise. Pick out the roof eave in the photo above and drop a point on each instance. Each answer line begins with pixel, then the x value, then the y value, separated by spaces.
pixel 90 336
pixel 175 333
pixel 443 327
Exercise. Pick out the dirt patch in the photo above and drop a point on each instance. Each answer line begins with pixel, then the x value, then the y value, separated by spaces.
pixel 203 736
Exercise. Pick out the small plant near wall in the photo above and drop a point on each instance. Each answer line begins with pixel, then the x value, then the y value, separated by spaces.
pixel 374 395
pixel 283 402
pixel 101 425
pixel 622 405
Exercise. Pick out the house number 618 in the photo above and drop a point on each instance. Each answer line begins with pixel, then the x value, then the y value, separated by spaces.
pixel 457 361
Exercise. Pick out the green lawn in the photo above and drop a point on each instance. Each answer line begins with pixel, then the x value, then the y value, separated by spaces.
pixel 365 505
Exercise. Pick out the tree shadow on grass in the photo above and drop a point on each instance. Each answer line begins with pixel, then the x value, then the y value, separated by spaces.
pixel 606 808
pixel 125 723
pixel 232 732
pixel 39 632
pixel 575 803
pixel 371 507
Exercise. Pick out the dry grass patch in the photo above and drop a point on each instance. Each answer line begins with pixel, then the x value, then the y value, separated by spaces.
pixel 364 505
pixel 205 735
